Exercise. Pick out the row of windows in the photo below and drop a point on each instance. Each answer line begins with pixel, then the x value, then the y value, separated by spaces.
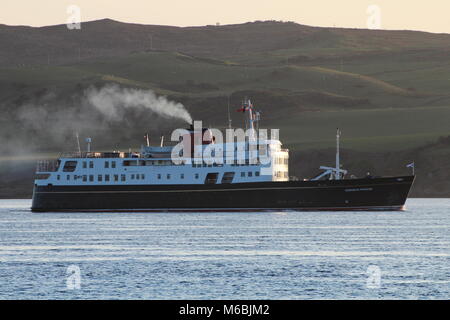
pixel 250 174
pixel 281 161
pixel 70 165
pixel 101 178
pixel 141 176
pixel 91 164
pixel 168 176
pixel 281 174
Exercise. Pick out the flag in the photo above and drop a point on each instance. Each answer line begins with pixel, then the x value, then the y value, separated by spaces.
pixel 411 165
pixel 243 108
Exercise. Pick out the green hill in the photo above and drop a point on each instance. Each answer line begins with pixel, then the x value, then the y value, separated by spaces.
pixel 386 90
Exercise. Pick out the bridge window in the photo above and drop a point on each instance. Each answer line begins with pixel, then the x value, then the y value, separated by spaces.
pixel 70 166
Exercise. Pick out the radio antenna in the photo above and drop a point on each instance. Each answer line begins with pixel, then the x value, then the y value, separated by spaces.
pixel 229 116
pixel 78 141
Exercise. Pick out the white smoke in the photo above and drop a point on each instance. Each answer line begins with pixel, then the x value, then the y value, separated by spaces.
pixel 112 101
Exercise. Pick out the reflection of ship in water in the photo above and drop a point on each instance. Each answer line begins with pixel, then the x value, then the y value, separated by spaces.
pixel 150 180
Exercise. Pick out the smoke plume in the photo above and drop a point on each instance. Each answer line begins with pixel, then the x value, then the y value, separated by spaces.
pixel 113 116
pixel 113 101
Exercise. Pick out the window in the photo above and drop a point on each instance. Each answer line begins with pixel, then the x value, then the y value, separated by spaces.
pixel 91 164
pixel 168 176
pixel 58 177
pixel 91 177
pixel 113 164
pixel 134 163
pixel 242 174
pixel 250 173
pixel 84 165
pixel 116 177
pixel 70 166
pixel 228 177
pixel 84 178
pixel 122 177
pixel 196 176
pixel 99 178
pixel 137 177
pixel 159 176
pixel 106 164
pixel 106 177
pixel 182 176
pixel 142 176
pixel 257 174
pixel 132 176
pixel 211 178
pixel 68 177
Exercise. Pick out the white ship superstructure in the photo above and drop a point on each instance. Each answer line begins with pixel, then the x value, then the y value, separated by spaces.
pixel 154 165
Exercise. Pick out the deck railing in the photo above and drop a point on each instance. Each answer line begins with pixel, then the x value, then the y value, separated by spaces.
pixel 84 154
pixel 47 165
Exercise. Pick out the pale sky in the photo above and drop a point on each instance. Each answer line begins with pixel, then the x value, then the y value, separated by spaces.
pixel 430 15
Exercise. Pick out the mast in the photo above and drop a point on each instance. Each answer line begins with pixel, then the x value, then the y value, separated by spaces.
pixel 338 165
pixel 78 142
pixel 88 141
pixel 249 108
pixel 334 173
pixel 229 116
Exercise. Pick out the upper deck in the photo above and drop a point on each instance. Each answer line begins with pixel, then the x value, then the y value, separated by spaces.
pixel 198 158
pixel 147 168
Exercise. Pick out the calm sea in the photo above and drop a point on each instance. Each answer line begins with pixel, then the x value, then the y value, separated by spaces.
pixel 269 255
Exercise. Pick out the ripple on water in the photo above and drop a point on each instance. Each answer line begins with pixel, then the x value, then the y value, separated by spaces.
pixel 249 255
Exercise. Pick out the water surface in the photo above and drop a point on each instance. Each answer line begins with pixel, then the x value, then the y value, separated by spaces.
pixel 261 255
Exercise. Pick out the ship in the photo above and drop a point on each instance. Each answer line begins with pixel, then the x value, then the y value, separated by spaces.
pixel 153 179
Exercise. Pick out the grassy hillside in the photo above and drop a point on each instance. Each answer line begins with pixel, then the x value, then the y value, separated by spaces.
pixel 387 90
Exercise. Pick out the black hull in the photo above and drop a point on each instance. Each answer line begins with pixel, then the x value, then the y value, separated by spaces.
pixel 356 194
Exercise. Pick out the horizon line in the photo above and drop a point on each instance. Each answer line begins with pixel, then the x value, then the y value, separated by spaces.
pixel 224 25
